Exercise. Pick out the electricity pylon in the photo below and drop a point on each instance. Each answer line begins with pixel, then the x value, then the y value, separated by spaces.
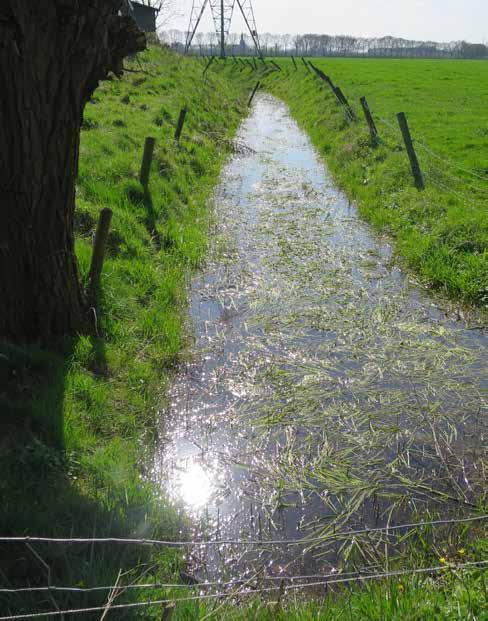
pixel 222 12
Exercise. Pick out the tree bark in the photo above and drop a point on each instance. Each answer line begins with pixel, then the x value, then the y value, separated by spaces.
pixel 53 53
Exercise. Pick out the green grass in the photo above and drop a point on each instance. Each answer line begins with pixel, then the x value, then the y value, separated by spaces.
pixel 75 420
pixel 442 233
pixel 452 596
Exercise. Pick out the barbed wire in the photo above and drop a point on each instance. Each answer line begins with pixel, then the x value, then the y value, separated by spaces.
pixel 455 178
pixel 458 180
pixel 432 174
pixel 446 188
pixel 162 602
pixel 446 160
pixel 258 542
pixel 199 585
pixel 395 130
pixel 443 158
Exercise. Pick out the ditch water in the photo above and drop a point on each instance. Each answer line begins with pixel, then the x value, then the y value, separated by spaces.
pixel 324 390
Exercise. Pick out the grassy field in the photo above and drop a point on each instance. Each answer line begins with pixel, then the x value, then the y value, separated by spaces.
pixel 75 419
pixel 442 232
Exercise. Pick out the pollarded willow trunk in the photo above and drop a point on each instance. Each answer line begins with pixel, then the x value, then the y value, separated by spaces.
pixel 53 53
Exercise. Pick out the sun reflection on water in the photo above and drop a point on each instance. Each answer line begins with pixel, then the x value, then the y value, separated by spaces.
pixel 194 485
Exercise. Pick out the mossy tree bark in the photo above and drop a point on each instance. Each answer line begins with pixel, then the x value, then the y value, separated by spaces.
pixel 53 53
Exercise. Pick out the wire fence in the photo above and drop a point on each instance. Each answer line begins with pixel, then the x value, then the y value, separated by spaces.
pixel 449 162
pixel 303 578
pixel 393 132
pixel 472 565
pixel 245 542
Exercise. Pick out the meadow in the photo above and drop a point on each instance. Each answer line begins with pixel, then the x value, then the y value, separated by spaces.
pixel 442 232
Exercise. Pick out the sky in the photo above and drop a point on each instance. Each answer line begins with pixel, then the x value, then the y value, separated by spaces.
pixel 437 20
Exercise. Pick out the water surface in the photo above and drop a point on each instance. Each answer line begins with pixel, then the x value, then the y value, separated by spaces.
pixel 324 389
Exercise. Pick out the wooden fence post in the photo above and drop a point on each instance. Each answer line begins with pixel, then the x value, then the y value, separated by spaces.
pixel 323 77
pixel 181 122
pixel 253 93
pixel 414 162
pixel 343 100
pixel 146 161
pixel 98 255
pixel 305 63
pixel 370 121
pixel 294 63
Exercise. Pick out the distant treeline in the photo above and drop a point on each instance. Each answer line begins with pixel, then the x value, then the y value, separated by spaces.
pixel 328 45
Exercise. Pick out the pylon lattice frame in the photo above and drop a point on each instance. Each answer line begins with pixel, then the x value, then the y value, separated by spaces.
pixel 222 13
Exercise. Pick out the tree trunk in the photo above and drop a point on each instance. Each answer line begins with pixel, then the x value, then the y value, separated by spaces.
pixel 53 53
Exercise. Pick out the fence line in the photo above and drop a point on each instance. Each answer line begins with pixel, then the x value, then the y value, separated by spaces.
pixel 433 154
pixel 257 542
pixel 458 180
pixel 392 574
pixel 202 585
pixel 446 160
pixel 394 128
pixel 432 175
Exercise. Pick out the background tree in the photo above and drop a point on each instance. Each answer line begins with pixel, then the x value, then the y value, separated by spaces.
pixel 212 41
pixel 233 42
pixel 200 39
pixel 287 40
pixel 52 56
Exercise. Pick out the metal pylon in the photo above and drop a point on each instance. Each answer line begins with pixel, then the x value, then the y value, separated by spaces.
pixel 248 14
pixel 222 12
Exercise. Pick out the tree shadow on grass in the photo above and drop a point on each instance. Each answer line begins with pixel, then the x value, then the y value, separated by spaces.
pixel 43 492
pixel 141 195
pixel 151 217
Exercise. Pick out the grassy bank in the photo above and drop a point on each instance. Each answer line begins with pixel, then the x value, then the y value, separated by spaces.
pixel 442 232
pixel 75 419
